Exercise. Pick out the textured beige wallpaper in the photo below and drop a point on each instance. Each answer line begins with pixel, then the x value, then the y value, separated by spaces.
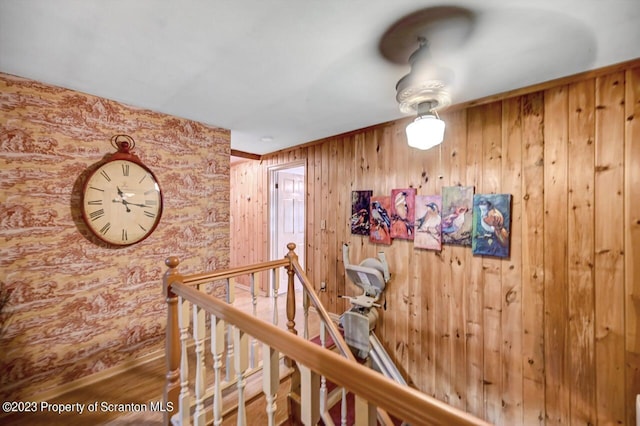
pixel 79 306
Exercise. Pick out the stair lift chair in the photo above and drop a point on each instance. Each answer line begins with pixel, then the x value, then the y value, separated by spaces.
pixel 371 275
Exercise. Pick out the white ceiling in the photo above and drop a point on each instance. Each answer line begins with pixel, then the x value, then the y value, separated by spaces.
pixel 297 70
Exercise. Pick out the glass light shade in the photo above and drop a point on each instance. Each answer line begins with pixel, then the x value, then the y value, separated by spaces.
pixel 425 132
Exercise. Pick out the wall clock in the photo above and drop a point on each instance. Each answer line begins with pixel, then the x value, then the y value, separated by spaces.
pixel 121 199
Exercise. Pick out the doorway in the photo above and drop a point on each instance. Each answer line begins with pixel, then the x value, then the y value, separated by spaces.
pixel 287 218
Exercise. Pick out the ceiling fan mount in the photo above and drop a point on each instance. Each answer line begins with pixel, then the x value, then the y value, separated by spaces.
pixel 427 83
pixel 427 86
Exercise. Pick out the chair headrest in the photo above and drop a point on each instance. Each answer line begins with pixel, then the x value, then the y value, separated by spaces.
pixel 368 276
pixel 371 274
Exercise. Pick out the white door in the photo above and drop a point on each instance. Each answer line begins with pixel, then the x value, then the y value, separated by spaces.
pixel 289 217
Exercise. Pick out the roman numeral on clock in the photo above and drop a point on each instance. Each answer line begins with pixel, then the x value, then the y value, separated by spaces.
pixel 105 228
pixel 149 214
pixel 125 170
pixel 105 175
pixel 96 214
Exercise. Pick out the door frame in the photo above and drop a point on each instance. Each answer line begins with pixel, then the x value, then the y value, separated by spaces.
pixel 273 210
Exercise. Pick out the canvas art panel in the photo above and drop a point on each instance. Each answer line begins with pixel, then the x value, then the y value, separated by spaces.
pixel 380 222
pixel 360 201
pixel 457 203
pixel 428 222
pixel 491 224
pixel 403 213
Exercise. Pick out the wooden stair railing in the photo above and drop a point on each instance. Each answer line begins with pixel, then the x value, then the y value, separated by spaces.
pixel 310 295
pixel 404 403
pixel 224 340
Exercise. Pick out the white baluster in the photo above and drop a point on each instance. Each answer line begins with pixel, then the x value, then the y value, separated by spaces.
pixel 310 400
pixel 275 287
pixel 254 287
pixel 217 350
pixel 198 333
pixel 270 380
pixel 365 413
pixel 323 380
pixel 231 298
pixel 183 324
pixel 241 344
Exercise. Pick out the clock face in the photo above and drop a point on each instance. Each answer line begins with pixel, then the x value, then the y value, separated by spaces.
pixel 122 202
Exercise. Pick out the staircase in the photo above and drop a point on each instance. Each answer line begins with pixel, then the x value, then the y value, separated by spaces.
pixel 257 371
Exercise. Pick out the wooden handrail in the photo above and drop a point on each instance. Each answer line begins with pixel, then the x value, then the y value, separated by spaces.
pixel 339 341
pixel 195 279
pixel 337 337
pixel 404 402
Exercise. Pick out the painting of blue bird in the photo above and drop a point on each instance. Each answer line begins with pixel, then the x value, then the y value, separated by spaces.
pixel 380 222
pixel 491 224
pixel 428 223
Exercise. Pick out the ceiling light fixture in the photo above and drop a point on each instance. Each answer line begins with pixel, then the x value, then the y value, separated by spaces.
pixel 427 130
pixel 423 91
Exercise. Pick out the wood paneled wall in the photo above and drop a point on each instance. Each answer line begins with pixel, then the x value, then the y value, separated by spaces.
pixel 248 216
pixel 547 336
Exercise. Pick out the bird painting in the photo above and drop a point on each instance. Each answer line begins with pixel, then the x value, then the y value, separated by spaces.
pixel 457 214
pixel 360 204
pixel 403 213
pixel 454 221
pixel 380 223
pixel 380 216
pixel 431 220
pixel 360 221
pixel 401 206
pixel 428 225
pixel 491 224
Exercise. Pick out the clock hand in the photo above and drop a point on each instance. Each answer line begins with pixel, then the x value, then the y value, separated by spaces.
pixel 124 194
pixel 125 202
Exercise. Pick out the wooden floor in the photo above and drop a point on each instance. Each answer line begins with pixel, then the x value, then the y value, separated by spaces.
pixel 141 385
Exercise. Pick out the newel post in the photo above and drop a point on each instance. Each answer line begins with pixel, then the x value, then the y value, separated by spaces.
pixel 172 341
pixel 291 291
